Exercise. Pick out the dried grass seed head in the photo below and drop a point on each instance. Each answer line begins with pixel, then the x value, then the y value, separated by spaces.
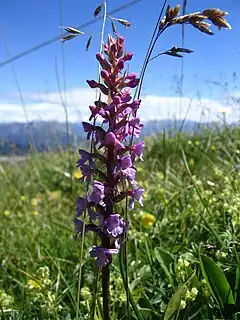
pixel 217 17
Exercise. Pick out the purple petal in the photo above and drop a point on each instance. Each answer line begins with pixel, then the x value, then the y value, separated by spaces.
pixel 137 149
pixel 103 255
pixel 126 162
pixel 81 206
pixel 114 225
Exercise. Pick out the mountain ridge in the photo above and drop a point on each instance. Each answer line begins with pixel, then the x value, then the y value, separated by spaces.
pixel 50 135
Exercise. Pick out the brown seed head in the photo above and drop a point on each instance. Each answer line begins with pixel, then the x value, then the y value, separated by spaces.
pixel 174 12
pixel 182 19
pixel 167 15
pixel 202 26
pixel 214 13
pixel 197 16
pixel 221 23
pixel 217 17
pixel 162 24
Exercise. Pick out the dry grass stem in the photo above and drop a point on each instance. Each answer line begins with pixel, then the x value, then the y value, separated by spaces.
pixel 216 16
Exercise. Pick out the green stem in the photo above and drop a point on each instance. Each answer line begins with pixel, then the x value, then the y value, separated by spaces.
pixel 105 292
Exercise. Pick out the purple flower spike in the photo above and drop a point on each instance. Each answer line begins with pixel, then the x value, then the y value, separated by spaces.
pixel 114 225
pixel 103 256
pixel 112 155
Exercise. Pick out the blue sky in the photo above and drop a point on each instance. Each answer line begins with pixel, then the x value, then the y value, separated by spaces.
pixel 27 23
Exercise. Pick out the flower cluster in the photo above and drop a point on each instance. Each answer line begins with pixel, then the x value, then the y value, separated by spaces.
pixel 40 293
pixel 109 167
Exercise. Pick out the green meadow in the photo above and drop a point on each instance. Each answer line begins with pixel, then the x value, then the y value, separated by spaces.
pixel 183 244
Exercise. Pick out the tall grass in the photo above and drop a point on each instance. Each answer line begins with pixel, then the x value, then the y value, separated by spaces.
pixel 189 198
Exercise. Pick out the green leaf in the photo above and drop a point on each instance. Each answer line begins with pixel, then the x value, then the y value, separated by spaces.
pixel 174 303
pixel 128 291
pixel 217 282
pixel 195 282
pixel 237 283
pixel 165 259
pixel 149 313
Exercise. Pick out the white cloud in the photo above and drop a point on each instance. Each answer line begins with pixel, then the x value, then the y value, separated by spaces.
pixel 41 106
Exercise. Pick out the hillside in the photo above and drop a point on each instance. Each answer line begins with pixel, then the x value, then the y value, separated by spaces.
pixel 17 137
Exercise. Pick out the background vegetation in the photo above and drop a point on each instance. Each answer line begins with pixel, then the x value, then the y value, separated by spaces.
pixel 183 244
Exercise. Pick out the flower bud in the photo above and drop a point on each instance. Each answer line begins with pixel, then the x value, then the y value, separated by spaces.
pixel 131 76
pixel 132 83
pixel 105 74
pixel 120 64
pixel 128 56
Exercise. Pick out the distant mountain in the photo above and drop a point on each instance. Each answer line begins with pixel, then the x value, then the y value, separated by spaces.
pixel 19 137
pixel 51 135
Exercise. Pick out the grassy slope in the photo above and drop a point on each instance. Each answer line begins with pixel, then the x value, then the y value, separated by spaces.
pixel 192 189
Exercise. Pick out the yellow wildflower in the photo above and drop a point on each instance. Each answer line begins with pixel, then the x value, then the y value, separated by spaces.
pixel 33 284
pixel 23 198
pixel 148 219
pixel 6 213
pixel 77 174
pixel 35 201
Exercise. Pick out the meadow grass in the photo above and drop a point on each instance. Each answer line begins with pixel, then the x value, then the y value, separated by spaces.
pixel 191 211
